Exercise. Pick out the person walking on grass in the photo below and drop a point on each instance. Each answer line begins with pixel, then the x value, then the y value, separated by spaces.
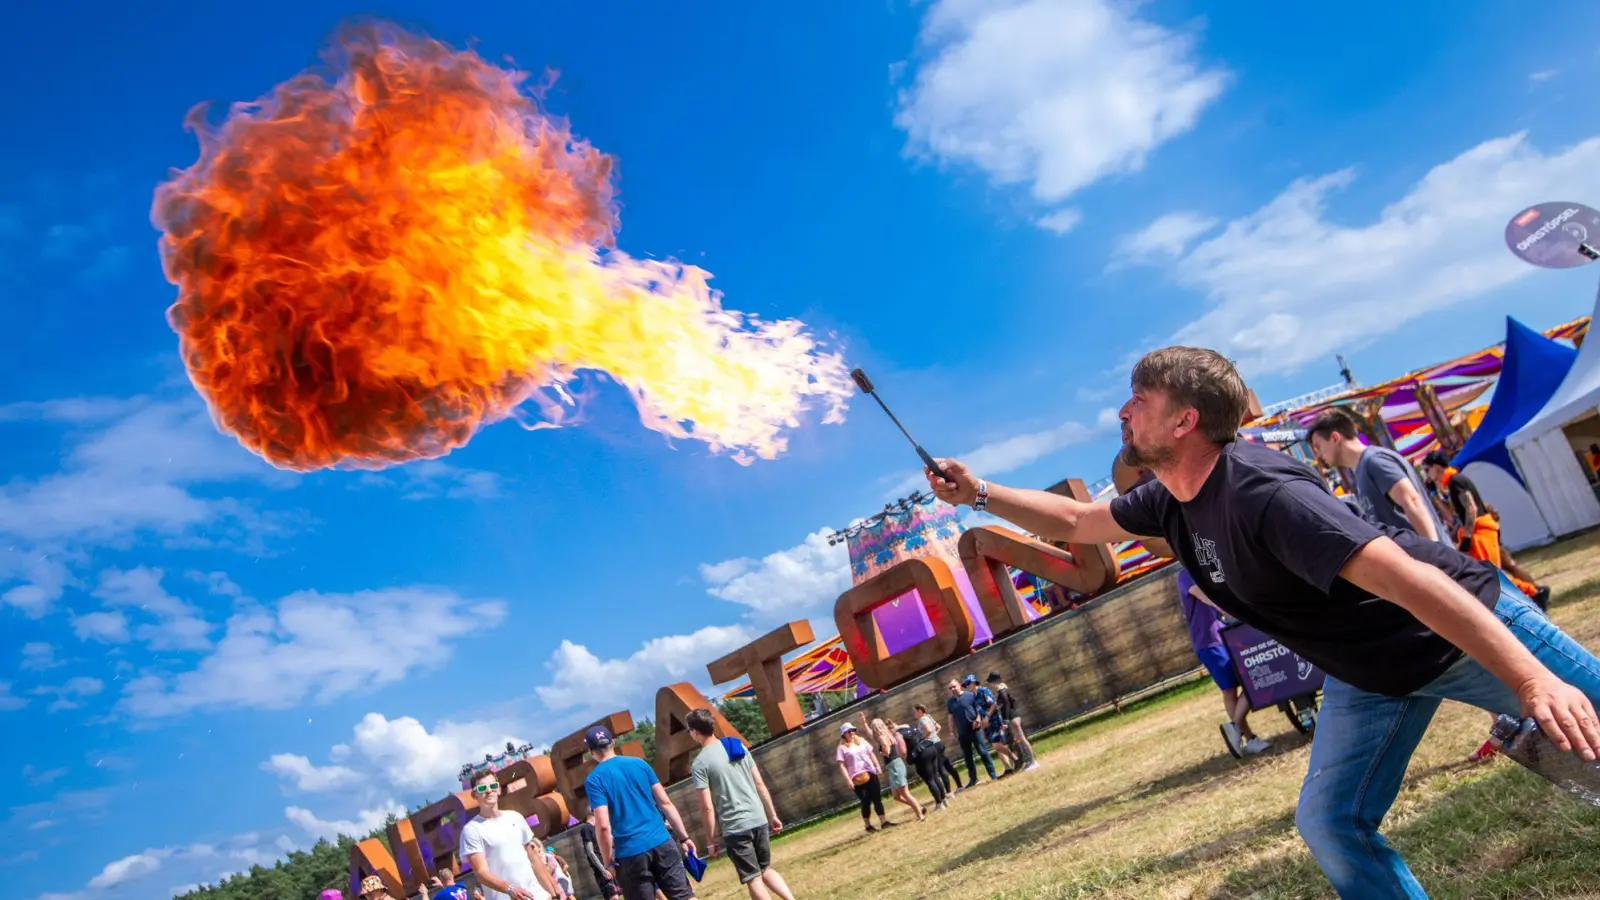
pixel 919 754
pixel 589 841
pixel 632 819
pixel 501 849
pixel 859 764
pixel 964 721
pixel 893 750
pixel 932 730
pixel 1008 712
pixel 735 802
pixel 1396 622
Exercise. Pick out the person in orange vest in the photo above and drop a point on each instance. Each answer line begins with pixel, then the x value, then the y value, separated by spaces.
pixel 1477 524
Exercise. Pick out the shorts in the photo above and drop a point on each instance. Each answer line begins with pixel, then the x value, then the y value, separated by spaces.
pixel 1220 664
pixel 751 852
pixel 897 773
pixel 659 867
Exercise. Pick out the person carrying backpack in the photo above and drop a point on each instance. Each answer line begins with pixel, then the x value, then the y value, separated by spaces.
pixel 920 755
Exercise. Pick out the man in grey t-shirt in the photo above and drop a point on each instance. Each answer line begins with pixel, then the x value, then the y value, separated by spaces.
pixel 734 801
pixel 1386 485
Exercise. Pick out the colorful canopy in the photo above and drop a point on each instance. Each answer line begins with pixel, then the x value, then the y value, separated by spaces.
pixel 1534 368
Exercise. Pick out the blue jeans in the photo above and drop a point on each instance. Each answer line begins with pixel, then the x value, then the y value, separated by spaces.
pixel 1364 742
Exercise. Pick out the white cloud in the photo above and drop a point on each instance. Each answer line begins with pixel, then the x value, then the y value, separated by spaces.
pixel 1542 75
pixel 38 656
pixel 364 823
pixel 1165 238
pixel 10 702
pixel 316 647
pixel 339 752
pixel 105 627
pixel 1109 418
pixel 785 584
pixel 432 479
pixel 409 757
pixel 178 625
pixel 1052 94
pixel 309 777
pixel 67 695
pixel 1061 221
pixel 1286 285
pixel 128 869
pixel 581 680
pixel 129 474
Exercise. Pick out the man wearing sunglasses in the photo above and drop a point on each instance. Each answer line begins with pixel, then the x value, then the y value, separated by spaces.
pixel 501 848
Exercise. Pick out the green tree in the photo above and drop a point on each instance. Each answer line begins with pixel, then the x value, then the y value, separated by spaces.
pixel 644 733
pixel 746 716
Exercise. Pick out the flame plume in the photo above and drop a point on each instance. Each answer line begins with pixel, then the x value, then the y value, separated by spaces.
pixel 376 262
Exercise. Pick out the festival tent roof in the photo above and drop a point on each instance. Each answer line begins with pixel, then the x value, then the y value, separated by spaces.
pixel 1533 369
pixel 1545 458
pixel 1578 395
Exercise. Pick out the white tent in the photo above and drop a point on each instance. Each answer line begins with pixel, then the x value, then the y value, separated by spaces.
pixel 1544 458
pixel 1521 523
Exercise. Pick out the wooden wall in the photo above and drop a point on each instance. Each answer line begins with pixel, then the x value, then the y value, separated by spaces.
pixel 1059 668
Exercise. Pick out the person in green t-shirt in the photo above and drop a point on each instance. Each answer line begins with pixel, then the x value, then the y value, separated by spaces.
pixel 734 801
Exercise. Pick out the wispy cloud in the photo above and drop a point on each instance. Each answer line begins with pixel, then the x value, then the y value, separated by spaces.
pixel 300 650
pixel 1286 285
pixel 435 480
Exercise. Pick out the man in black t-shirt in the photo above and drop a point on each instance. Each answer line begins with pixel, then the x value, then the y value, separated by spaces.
pixel 591 852
pixel 1396 622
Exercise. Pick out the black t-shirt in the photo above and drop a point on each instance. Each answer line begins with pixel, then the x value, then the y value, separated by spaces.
pixel 1459 489
pixel 1266 540
pixel 1006 703
pixel 586 839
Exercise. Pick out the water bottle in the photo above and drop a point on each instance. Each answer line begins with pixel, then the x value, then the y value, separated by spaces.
pixel 1522 740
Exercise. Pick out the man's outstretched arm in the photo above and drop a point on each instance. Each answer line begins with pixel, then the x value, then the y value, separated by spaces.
pixel 1039 512
pixel 1561 710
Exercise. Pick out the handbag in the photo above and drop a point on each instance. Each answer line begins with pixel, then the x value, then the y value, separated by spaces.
pixel 861 778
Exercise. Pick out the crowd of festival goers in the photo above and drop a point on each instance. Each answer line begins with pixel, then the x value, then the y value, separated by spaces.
pixel 986 721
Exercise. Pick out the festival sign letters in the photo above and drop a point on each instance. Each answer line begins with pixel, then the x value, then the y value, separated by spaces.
pixel 549 788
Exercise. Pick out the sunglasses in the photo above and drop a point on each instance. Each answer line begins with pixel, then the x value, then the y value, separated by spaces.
pixel 486 787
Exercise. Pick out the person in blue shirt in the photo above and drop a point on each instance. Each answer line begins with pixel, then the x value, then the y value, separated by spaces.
pixel 965 721
pixel 629 805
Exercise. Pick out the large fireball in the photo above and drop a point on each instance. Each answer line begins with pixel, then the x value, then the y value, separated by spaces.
pixel 377 260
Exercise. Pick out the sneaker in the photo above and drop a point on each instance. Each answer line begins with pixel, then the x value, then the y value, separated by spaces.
pixel 871 830
pixel 1256 745
pixel 1230 736
pixel 1031 766
pixel 888 824
pixel 1482 753
pixel 1541 597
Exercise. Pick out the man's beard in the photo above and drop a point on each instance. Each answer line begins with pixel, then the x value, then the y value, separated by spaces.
pixel 1146 458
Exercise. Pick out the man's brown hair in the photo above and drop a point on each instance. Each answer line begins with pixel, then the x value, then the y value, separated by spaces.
pixel 1331 422
pixel 701 722
pixel 1202 379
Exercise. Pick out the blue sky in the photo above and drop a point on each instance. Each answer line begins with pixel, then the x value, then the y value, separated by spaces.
pixel 991 206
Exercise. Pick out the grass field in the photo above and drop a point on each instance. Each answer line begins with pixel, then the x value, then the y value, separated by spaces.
pixel 1147 803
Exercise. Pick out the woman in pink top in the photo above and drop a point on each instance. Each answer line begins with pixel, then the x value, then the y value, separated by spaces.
pixel 859 763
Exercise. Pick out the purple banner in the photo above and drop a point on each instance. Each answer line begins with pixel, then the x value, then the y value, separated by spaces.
pixel 1271 673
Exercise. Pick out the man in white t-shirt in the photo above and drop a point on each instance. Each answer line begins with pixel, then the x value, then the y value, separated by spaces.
pixel 501 848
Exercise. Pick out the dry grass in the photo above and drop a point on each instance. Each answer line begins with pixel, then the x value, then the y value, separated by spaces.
pixel 1147 804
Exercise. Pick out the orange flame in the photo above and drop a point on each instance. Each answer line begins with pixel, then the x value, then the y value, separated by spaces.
pixel 371 266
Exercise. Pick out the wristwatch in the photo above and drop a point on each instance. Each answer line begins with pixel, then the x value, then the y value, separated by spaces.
pixel 981 502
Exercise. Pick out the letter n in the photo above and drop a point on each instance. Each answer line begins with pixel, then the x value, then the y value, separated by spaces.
pixel 931 578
